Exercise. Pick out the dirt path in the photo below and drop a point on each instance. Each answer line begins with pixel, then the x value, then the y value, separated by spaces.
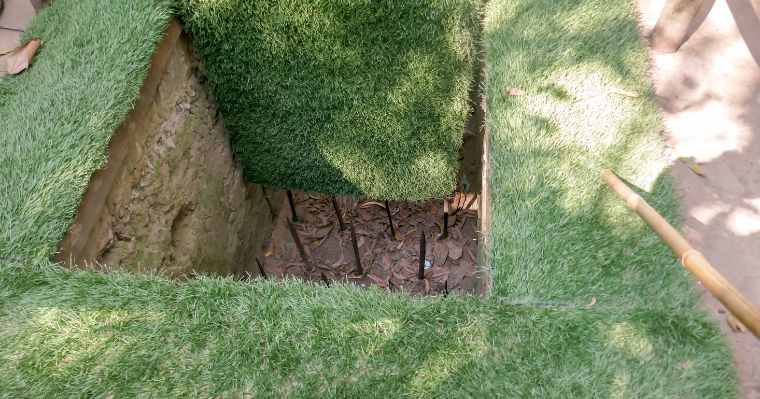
pixel 710 95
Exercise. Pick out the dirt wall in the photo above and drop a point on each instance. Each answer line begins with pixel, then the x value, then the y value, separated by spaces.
pixel 172 196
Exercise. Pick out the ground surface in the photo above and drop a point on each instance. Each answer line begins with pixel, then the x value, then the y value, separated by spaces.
pixel 586 301
pixel 390 262
pixel 710 94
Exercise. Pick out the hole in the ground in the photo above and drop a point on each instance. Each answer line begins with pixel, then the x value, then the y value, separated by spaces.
pixel 387 260
pixel 172 198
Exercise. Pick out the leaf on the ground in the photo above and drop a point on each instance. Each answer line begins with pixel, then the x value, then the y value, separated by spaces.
pixel 735 324
pixel 360 242
pixel 516 91
pixel 684 365
pixel 427 286
pixel 626 93
pixel 696 169
pixel 372 203
pixel 270 251
pixel 592 303
pixel 440 253
pixel 396 255
pixel 455 250
pixel 21 57
pixel 387 265
pixel 378 280
pixel 324 231
pixel 721 311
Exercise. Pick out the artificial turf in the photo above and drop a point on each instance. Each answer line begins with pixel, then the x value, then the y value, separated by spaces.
pixel 65 334
pixel 57 117
pixel 557 240
pixel 558 233
pixel 349 97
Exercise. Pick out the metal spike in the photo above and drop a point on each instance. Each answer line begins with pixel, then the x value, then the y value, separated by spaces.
pixel 357 257
pixel 301 250
pixel 421 273
pixel 338 213
pixel 261 269
pixel 292 206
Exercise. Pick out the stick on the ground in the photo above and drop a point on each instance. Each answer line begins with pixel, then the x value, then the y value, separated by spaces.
pixel 357 258
pixel 421 273
pixel 692 260
pixel 446 288
pixel 445 233
pixel 292 206
pixel 338 213
pixel 261 269
pixel 301 250
pixel 390 219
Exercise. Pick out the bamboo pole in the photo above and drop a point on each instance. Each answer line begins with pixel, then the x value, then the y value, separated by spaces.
pixel 692 260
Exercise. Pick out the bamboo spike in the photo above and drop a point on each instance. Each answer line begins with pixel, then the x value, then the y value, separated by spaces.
pixel 421 273
pixel 357 257
pixel 292 206
pixel 301 250
pixel 338 213
pixel 390 219
pixel 445 233
pixel 261 269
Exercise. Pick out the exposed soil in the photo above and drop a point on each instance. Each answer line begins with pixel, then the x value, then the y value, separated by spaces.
pixel 389 262
pixel 709 91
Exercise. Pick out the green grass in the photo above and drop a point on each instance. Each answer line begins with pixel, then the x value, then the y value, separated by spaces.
pixel 351 97
pixel 557 236
pixel 65 334
pixel 58 116
pixel 558 233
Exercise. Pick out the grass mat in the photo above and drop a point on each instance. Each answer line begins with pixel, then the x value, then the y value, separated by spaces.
pixel 351 97
pixel 58 116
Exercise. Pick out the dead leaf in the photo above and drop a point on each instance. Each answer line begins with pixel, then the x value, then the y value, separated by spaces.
pixel 379 280
pixel 455 251
pixel 626 93
pixel 696 169
pixel 592 303
pixel 372 203
pixel 721 311
pixel 684 365
pixel 387 265
pixel 735 324
pixel 21 57
pixel 270 251
pixel 516 91
pixel 427 286
pixel 440 252
pixel 324 231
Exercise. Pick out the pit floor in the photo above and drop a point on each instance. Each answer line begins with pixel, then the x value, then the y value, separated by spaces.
pixel 389 262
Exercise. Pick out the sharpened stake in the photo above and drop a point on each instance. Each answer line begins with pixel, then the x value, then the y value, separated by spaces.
pixel 356 248
pixel 421 273
pixel 301 250
pixel 445 233
pixel 338 213
pixel 292 206
pixel 390 219
pixel 261 269
pixel 325 280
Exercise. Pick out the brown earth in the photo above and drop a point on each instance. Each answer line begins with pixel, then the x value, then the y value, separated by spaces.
pixel 709 92
pixel 389 262
pixel 171 197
